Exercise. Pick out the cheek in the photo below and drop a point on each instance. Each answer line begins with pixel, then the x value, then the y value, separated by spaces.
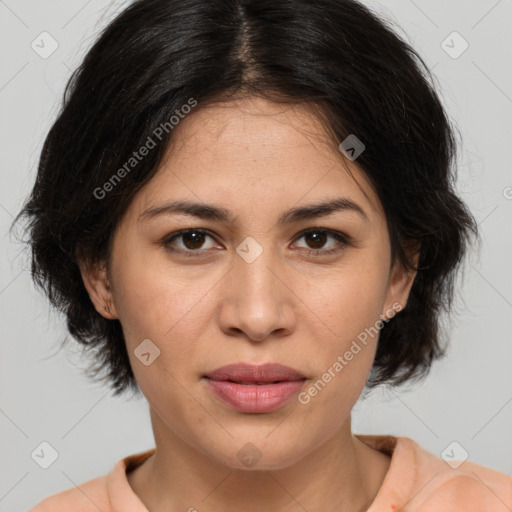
pixel 349 301
pixel 347 310
pixel 154 299
pixel 170 308
pixel 345 355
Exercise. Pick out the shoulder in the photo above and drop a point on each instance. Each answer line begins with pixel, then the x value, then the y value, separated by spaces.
pixel 105 493
pixel 91 495
pixel 419 481
pixel 466 493
pixel 467 487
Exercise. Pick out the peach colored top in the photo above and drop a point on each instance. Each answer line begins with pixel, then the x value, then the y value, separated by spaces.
pixel 417 481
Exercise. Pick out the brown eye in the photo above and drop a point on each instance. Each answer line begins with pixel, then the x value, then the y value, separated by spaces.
pixel 317 238
pixel 192 241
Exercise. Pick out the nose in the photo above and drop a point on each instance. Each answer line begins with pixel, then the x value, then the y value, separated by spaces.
pixel 257 302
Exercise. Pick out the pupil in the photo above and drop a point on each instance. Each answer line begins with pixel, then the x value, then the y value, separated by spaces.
pixel 195 237
pixel 318 239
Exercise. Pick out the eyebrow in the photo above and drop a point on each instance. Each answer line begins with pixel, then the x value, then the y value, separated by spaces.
pixel 221 214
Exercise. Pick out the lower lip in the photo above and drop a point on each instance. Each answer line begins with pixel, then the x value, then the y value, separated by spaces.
pixel 255 397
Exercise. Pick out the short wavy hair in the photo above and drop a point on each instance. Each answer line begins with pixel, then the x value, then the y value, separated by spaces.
pixel 337 56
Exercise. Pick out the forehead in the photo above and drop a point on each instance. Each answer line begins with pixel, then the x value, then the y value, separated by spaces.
pixel 255 152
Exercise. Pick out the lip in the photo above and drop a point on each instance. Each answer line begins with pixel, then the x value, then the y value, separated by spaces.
pixel 255 388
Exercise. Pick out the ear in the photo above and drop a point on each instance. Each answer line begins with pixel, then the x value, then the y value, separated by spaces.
pixel 401 280
pixel 98 287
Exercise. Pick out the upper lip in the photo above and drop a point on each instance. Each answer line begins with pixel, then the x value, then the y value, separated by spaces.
pixel 243 372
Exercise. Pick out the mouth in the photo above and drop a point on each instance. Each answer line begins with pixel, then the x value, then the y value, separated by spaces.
pixel 253 388
pixel 259 383
pixel 242 373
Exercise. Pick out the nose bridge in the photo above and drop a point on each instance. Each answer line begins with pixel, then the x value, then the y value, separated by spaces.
pixel 254 264
pixel 255 268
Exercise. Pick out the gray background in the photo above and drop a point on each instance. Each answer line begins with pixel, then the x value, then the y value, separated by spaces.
pixel 468 396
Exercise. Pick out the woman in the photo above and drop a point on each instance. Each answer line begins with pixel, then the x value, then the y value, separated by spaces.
pixel 246 211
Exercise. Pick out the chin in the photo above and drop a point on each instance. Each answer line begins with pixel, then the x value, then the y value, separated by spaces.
pixel 258 453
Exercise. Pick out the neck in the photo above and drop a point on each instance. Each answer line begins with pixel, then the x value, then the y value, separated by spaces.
pixel 340 474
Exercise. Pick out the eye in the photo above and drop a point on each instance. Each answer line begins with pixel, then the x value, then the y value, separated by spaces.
pixel 316 238
pixel 192 241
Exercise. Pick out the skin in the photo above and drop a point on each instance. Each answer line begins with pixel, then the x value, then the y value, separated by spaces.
pixel 256 159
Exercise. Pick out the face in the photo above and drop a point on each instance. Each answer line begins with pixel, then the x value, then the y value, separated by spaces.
pixel 260 277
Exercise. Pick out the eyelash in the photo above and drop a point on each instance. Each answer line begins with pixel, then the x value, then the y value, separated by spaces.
pixel 343 240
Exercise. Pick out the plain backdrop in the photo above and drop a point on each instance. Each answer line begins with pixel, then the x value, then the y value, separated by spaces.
pixel 44 397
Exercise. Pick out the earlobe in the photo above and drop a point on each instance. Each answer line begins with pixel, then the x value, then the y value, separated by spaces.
pixel 98 287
